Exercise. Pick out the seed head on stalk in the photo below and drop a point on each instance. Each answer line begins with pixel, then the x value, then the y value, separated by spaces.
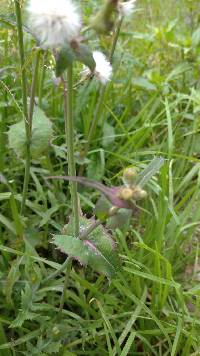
pixel 126 8
pixel 54 22
pixel 103 68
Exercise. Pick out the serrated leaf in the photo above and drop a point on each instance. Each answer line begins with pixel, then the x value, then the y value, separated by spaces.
pixel 41 133
pixel 97 251
pixel 64 59
pixel 85 252
pixel 53 347
pixel 21 318
pixel 85 56
pixel 12 278
pixel 26 303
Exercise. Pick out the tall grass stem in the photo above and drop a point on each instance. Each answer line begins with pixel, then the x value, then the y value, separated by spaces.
pixel 24 100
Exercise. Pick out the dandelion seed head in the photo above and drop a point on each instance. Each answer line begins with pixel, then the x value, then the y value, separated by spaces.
pixel 54 22
pixel 103 69
pixel 126 8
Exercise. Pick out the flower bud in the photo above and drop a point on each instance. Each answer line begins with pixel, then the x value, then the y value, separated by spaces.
pixel 130 174
pixel 55 330
pixel 139 194
pixel 126 194
pixel 102 23
pixel 113 210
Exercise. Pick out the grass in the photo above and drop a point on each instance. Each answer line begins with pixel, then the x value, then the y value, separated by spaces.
pixel 151 108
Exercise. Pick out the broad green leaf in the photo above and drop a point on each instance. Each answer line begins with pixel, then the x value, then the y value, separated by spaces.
pixel 85 252
pixel 64 59
pixel 41 134
pixel 84 55
pixel 97 250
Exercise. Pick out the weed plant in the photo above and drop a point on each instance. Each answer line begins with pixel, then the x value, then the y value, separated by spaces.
pixel 136 290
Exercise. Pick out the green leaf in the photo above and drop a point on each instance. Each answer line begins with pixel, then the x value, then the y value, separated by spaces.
pixel 108 135
pixel 97 251
pixel 26 304
pixel 85 56
pixel 12 278
pixel 85 252
pixel 102 208
pixel 120 220
pixel 196 37
pixel 153 168
pixel 144 84
pixel 96 166
pixel 64 59
pixel 41 133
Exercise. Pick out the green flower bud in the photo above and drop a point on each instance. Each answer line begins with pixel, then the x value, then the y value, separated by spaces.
pixel 113 210
pixel 129 175
pixel 139 194
pixel 126 193
pixel 103 23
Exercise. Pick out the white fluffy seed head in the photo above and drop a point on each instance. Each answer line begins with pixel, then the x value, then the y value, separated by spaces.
pixel 126 8
pixel 103 69
pixel 54 22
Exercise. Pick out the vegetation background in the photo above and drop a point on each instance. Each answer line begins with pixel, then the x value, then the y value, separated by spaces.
pixel 152 108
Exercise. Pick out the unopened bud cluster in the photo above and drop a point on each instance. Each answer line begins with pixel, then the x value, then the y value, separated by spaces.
pixel 131 190
pixel 135 193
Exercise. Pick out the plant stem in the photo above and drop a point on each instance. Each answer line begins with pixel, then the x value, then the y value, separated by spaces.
pixel 100 103
pixel 24 99
pixel 115 38
pixel 91 228
pixel 33 88
pixel 69 131
pixel 41 81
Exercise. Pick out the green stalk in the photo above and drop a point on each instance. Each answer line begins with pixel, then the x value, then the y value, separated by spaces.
pixel 41 81
pixel 69 131
pixel 24 99
pixel 100 103
pixel 33 88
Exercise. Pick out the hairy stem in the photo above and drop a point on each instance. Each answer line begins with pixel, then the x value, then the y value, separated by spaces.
pixel 24 99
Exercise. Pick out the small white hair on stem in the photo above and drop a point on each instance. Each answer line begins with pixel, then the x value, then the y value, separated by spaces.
pixel 54 22
pixel 126 8
pixel 103 69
